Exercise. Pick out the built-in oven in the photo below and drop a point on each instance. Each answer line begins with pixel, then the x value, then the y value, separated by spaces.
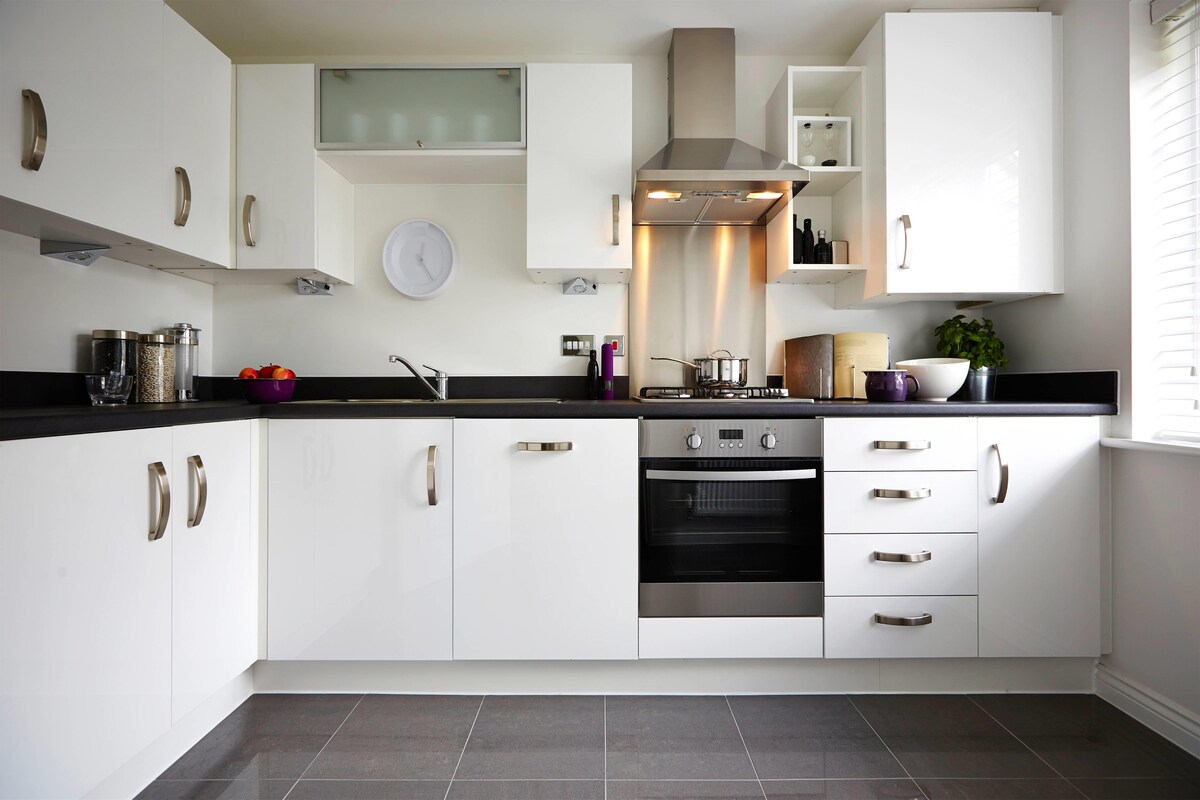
pixel 730 518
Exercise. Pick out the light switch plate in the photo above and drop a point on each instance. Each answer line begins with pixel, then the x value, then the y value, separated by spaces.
pixel 618 343
pixel 577 344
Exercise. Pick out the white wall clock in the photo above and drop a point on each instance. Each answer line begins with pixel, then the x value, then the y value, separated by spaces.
pixel 419 259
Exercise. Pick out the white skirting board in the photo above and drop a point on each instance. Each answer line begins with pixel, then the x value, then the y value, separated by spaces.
pixel 1160 714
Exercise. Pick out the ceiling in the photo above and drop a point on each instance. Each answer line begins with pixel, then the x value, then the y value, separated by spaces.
pixel 258 30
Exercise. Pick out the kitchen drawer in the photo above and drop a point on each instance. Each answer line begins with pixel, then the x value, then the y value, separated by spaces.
pixel 899 443
pixel 729 637
pixel 851 567
pixel 852 632
pixel 945 502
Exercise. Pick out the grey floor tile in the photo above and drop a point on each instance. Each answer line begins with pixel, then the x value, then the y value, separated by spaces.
pixel 820 736
pixel 674 738
pixel 948 736
pixel 522 738
pixel 368 790
pixel 893 789
pixel 216 790
pixel 684 790
pixel 965 789
pixel 527 790
pixel 1139 788
pixel 411 737
pixel 1083 736
pixel 268 736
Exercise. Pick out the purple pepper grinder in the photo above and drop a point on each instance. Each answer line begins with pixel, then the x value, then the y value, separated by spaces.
pixel 606 371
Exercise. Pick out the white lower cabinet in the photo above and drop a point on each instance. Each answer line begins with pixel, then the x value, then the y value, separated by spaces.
pixel 900 627
pixel 545 539
pixel 862 502
pixel 730 637
pixel 900 563
pixel 360 543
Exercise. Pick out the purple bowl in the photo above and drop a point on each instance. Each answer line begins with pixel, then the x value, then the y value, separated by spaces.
pixel 268 390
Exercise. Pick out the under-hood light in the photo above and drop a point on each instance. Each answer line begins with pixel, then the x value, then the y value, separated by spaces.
pixel 660 194
pixel 764 195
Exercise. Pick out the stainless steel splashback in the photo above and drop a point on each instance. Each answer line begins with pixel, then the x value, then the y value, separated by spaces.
pixel 693 290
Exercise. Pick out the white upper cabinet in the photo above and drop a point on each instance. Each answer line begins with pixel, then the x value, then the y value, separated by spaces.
pixel 960 149
pixel 578 205
pixel 295 214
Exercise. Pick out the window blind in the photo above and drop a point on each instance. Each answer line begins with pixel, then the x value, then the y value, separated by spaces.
pixel 1173 293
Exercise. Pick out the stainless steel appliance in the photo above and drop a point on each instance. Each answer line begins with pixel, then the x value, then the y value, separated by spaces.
pixel 727 372
pixel 720 394
pixel 730 518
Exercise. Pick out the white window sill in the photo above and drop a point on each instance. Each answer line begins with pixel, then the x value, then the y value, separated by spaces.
pixel 1155 446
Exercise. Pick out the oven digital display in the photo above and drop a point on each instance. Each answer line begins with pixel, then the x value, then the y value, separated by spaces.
pixel 730 433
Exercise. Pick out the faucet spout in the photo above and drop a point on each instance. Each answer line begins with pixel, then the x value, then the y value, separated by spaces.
pixel 442 379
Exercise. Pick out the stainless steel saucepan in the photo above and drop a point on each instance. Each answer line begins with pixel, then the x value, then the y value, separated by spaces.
pixel 713 371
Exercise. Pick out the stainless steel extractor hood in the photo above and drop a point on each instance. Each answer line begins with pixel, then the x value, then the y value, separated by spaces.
pixel 704 176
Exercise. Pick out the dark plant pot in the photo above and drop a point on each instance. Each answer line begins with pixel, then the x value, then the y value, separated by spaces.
pixel 981 384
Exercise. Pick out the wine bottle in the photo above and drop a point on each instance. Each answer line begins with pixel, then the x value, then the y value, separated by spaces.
pixel 823 249
pixel 797 241
pixel 809 247
pixel 593 377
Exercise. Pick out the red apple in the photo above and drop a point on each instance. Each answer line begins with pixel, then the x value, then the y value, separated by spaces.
pixel 248 374
pixel 283 374
pixel 267 371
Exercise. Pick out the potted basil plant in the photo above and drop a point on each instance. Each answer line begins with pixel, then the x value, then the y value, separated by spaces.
pixel 976 341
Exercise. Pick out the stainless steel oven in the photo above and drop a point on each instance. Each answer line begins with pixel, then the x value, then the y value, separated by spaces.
pixel 730 518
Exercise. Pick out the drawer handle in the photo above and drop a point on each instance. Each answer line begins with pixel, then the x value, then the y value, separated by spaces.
pixel 904 622
pixel 1002 492
pixel 197 466
pixel 159 472
pixel 915 444
pixel 902 494
pixel 903 558
pixel 545 447
pixel 37 137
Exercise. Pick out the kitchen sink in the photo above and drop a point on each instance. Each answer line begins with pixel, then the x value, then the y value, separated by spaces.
pixel 431 401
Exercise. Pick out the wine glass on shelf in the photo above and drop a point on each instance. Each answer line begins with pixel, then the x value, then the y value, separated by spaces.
pixel 831 139
pixel 806 135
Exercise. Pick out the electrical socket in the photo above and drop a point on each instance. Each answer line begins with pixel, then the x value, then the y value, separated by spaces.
pixel 577 344
pixel 618 343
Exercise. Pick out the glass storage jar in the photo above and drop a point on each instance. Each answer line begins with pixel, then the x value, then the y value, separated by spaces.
pixel 187 350
pixel 156 368
pixel 115 351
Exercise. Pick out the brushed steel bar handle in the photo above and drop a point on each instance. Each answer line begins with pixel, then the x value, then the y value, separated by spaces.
pixel 915 444
pixel 903 558
pixel 545 447
pixel 907 223
pixel 1002 492
pixel 197 466
pixel 616 220
pixel 164 500
pixel 902 494
pixel 185 201
pixel 737 476
pixel 431 474
pixel 919 619
pixel 37 139
pixel 247 228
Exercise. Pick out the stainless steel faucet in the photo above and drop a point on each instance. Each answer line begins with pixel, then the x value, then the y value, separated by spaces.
pixel 443 380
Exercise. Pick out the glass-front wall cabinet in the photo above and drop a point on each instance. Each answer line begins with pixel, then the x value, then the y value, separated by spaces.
pixel 410 108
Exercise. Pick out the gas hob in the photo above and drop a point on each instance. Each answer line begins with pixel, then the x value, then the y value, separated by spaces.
pixel 650 394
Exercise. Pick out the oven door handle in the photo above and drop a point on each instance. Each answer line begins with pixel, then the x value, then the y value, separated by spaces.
pixel 738 476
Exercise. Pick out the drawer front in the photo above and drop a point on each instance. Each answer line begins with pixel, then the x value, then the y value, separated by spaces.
pixel 938 502
pixel 908 564
pixel 851 630
pixel 730 637
pixel 860 445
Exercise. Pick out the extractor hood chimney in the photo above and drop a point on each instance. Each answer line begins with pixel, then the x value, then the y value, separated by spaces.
pixel 705 176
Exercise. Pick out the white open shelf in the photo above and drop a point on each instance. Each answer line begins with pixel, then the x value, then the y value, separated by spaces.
pixel 816 273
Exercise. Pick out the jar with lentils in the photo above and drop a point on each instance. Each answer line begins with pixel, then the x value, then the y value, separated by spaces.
pixel 156 368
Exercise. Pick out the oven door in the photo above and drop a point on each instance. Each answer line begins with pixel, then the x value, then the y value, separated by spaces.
pixel 730 537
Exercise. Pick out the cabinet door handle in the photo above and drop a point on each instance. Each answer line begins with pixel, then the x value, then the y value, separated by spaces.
pixel 902 494
pixel 1002 492
pixel 37 138
pixel 431 474
pixel 185 197
pixel 903 558
pixel 545 447
pixel 197 466
pixel 247 228
pixel 919 619
pixel 907 224
pixel 164 500
pixel 616 220
pixel 915 444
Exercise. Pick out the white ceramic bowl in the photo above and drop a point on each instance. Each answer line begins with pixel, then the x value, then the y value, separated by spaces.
pixel 939 377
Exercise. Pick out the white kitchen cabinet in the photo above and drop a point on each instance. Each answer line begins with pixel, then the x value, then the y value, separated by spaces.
pixel 870 627
pixel 1039 548
pixel 360 539
pixel 579 166
pixel 900 563
pixel 960 150
pixel 295 213
pixel 545 539
pixel 890 444
pixel 868 502
pixel 85 608
pixel 214 608
pixel 730 637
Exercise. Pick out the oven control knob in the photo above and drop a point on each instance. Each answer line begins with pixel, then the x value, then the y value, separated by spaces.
pixel 694 441
pixel 768 441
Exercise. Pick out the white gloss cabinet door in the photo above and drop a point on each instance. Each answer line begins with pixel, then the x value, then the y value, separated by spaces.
pixel 85 609
pixel 545 541
pixel 580 129
pixel 360 547
pixel 1039 549
pixel 214 612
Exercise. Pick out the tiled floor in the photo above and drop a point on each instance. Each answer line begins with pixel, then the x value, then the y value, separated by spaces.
pixel 927 747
